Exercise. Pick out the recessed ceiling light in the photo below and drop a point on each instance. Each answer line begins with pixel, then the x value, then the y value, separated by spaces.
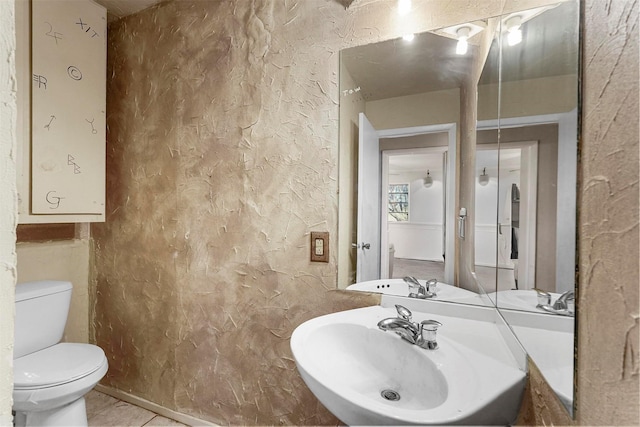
pixel 463 44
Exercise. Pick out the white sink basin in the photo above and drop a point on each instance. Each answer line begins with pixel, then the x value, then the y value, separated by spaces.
pixel 356 370
pixel 399 287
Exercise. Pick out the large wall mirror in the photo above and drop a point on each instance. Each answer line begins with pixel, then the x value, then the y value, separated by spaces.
pixel 529 152
pixel 400 115
pixel 405 96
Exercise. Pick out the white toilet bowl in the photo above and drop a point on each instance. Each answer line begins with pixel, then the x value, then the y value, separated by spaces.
pixel 50 382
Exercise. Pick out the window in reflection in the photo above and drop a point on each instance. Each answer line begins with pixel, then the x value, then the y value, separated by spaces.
pixel 398 203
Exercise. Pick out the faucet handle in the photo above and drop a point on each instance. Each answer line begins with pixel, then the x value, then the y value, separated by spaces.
pixel 427 335
pixel 412 282
pixel 544 297
pixel 431 285
pixel 403 312
pixel 430 325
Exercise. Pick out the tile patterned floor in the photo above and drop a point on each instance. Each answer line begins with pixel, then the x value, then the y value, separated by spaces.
pixel 104 410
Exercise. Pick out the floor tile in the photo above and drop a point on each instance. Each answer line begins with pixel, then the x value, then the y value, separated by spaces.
pixel 159 421
pixel 121 414
pixel 96 402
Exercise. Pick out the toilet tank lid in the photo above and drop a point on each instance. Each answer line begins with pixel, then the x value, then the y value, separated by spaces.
pixel 35 289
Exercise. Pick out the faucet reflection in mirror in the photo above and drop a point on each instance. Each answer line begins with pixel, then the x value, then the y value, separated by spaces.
pixel 564 305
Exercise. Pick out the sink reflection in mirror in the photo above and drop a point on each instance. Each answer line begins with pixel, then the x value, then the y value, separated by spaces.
pixel 400 287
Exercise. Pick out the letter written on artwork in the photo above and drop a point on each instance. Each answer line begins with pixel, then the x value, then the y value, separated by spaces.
pixel 53 34
pixel 93 129
pixel 53 199
pixel 74 72
pixel 48 125
pixel 90 31
pixel 41 81
pixel 71 161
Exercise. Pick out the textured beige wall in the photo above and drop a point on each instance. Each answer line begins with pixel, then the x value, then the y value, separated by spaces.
pixel 8 205
pixel 546 95
pixel 223 122
pixel 62 260
pixel 608 331
pixel 608 344
pixel 222 157
pixel 429 108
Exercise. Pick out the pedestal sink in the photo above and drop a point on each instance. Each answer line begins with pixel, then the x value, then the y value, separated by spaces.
pixel 366 376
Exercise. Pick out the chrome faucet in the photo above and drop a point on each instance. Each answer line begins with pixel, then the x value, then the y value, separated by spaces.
pixel 544 297
pixel 422 334
pixel 423 292
pixel 564 305
pixel 566 301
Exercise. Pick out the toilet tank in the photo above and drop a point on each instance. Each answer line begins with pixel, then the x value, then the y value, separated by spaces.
pixel 41 314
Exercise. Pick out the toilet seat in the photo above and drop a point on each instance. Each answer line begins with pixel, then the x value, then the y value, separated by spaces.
pixel 56 365
pixel 84 370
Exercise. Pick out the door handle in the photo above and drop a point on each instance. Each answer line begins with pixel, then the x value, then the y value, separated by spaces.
pixel 462 223
pixel 363 246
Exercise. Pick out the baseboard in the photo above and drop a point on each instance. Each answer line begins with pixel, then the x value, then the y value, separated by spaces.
pixel 154 407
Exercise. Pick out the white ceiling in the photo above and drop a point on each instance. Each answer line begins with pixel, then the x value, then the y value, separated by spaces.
pixel 117 9
pixel 406 163
pixel 425 64
pixel 429 62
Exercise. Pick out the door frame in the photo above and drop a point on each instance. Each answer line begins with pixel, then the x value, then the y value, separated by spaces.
pixel 567 182
pixel 384 222
pixel 450 192
pixel 528 210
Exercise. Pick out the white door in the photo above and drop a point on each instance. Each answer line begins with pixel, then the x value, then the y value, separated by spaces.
pixel 368 244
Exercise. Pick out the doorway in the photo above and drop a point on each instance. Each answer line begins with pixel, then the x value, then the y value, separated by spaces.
pixel 413 213
pixel 370 187
pixel 506 190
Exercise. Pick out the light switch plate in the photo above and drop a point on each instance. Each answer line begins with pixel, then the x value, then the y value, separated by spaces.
pixel 320 246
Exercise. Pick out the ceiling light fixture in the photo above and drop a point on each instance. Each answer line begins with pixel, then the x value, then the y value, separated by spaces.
pixel 512 23
pixel 428 181
pixel 483 179
pixel 404 7
pixel 463 44
pixel 514 32
pixel 408 37
pixel 471 29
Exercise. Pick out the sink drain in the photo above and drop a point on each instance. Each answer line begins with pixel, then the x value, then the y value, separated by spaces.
pixel 389 394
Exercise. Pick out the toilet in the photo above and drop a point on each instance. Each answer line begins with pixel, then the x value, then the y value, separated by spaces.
pixel 50 378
